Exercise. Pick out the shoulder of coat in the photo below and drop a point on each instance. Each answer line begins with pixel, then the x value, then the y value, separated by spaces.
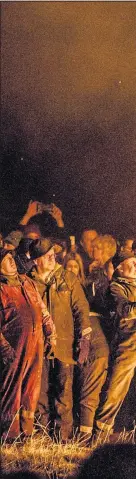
pixel 116 286
pixel 70 279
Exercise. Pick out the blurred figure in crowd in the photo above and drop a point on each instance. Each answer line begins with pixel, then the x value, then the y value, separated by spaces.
pixel 1 240
pixel 104 248
pixel 50 220
pixel 93 374
pixel 63 295
pixel 60 249
pixel 73 262
pixel 28 226
pixel 22 256
pixel 85 248
pixel 11 241
pixel 126 245
pixel 123 292
pixel 134 247
pixel 97 284
pixel 24 319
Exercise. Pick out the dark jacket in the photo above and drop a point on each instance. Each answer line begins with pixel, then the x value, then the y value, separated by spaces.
pixel 69 309
pixel 97 292
pixel 85 259
pixel 123 291
pixel 97 285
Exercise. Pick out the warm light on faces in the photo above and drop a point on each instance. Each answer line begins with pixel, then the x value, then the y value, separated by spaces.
pixel 128 268
pixel 98 253
pixel 86 241
pixel 127 246
pixel 9 246
pixel 46 263
pixel 32 235
pixel 8 266
pixel 73 266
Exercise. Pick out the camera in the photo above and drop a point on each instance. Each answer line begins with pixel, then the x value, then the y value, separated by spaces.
pixel 41 207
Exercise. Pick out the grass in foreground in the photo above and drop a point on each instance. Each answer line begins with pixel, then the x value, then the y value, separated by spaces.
pixel 40 455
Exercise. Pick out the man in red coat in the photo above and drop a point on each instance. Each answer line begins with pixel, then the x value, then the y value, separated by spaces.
pixel 24 319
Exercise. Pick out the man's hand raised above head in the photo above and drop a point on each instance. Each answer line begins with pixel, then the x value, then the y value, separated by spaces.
pixel 56 213
pixel 32 210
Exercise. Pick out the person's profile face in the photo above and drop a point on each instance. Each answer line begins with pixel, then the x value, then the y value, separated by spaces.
pixel 128 268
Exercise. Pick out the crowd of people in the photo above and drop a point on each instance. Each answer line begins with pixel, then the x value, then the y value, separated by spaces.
pixel 68 329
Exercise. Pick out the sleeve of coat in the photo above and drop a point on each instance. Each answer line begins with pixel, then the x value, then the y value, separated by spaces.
pixel 121 300
pixel 47 322
pixel 80 309
pixel 7 353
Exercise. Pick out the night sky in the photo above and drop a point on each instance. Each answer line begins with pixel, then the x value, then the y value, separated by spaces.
pixel 69 111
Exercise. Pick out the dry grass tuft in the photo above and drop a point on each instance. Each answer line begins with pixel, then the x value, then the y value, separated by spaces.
pixel 41 455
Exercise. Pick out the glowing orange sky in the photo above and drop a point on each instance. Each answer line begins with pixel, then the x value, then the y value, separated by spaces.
pixel 69 82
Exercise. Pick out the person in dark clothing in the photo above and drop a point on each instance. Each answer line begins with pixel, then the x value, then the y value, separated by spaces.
pixel 12 240
pixel 24 319
pixel 93 375
pixel 50 220
pixel 85 248
pixel 22 256
pixel 62 293
pixel 123 291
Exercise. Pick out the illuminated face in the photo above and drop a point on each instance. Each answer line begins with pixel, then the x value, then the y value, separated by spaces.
pixel 32 235
pixel 87 238
pixel 98 253
pixel 9 246
pixel 46 263
pixel 73 266
pixel 8 265
pixel 127 246
pixel 128 268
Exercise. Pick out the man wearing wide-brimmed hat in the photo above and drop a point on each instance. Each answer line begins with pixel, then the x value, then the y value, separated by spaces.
pixel 64 296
